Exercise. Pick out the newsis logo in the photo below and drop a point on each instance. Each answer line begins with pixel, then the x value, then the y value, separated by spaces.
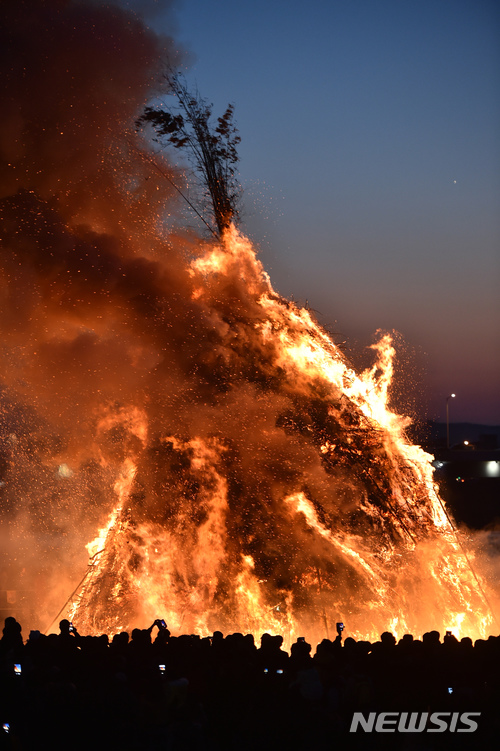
pixel 414 722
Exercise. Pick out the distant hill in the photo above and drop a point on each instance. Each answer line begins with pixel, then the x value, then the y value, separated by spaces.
pixel 430 433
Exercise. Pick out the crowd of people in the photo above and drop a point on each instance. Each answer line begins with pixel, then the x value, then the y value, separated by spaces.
pixel 152 690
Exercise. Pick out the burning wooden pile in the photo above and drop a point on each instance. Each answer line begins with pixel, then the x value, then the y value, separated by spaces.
pixel 288 499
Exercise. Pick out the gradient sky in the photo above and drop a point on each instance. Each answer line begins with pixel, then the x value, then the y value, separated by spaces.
pixel 370 159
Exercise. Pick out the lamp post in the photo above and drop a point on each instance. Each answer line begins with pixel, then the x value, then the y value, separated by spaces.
pixel 451 396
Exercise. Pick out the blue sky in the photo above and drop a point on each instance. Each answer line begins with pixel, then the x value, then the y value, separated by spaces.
pixel 370 159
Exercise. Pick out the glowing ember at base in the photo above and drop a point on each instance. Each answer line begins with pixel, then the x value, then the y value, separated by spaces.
pixel 288 499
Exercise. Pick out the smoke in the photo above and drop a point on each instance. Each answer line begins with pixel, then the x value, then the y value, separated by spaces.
pixel 80 210
pixel 155 386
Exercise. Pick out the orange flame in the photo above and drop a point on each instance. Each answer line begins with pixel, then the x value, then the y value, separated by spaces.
pixel 351 529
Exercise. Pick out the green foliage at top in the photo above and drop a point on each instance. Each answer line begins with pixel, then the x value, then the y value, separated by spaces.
pixel 211 150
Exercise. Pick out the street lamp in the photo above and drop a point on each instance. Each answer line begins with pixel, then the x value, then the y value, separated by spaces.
pixel 451 396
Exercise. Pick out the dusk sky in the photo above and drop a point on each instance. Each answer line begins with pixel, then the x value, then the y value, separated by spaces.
pixel 370 159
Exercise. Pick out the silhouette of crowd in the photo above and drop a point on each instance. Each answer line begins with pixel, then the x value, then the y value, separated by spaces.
pixel 152 690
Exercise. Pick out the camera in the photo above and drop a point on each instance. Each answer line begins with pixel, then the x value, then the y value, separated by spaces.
pixel 71 629
pixel 162 668
pixel 17 668
pixel 340 627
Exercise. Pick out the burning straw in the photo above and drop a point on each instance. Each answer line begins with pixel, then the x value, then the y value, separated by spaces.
pixel 156 388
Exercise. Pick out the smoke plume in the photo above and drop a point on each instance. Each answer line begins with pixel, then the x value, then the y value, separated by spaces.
pixel 79 272
pixel 157 391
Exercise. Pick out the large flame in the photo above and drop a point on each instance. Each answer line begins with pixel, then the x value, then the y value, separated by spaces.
pixel 160 398
pixel 295 501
